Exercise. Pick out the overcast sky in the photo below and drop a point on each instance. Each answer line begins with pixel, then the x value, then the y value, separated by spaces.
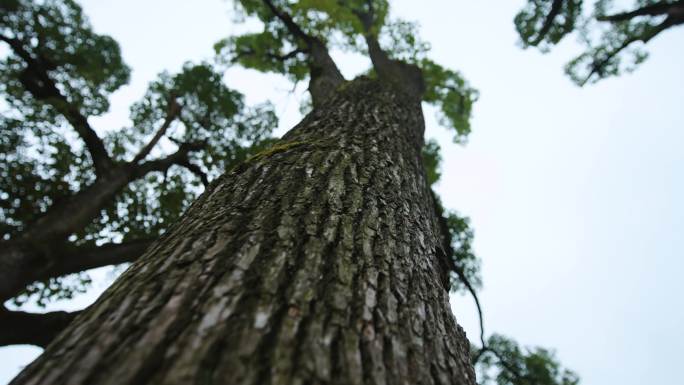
pixel 575 194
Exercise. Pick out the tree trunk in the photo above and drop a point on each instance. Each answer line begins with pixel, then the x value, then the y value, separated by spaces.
pixel 314 262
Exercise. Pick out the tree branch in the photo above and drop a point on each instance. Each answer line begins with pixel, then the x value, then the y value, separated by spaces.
pixel 20 256
pixel 18 327
pixel 289 55
pixel 548 21
pixel 597 66
pixel 42 263
pixel 325 76
pixel 76 259
pixel 471 290
pixel 661 8
pixel 195 169
pixel 172 113
pixel 39 84
pixel 406 76
pixel 180 158
pixel 514 371
pixel 291 26
pixel 449 251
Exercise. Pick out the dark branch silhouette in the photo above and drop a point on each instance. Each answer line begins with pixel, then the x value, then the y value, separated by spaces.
pixel 19 327
pixel 597 67
pixel 548 21
pixel 37 81
pixel 172 113
pixel 662 8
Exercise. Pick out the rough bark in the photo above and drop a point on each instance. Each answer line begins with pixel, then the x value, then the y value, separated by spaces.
pixel 315 262
pixel 325 76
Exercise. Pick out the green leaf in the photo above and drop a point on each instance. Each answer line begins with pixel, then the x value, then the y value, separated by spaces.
pixel 431 161
pixel 453 96
pixel 541 25
pixel 505 363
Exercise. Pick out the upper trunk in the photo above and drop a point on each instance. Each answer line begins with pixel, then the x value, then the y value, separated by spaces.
pixel 315 262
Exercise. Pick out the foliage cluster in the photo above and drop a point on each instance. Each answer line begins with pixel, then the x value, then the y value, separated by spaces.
pixel 614 39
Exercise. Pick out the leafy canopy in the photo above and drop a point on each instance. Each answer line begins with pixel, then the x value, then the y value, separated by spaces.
pixel 337 24
pixel 44 162
pixel 536 29
pixel 86 66
pixel 40 160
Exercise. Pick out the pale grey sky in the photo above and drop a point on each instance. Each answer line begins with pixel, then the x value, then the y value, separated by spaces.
pixel 574 193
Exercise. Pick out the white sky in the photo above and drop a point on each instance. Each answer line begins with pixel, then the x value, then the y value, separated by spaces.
pixel 574 194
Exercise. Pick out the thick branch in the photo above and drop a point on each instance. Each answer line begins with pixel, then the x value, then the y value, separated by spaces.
pixel 38 82
pixel 405 76
pixel 76 259
pixel 172 113
pixel 23 264
pixel 19 328
pixel 291 26
pixel 325 76
pixel 73 213
pixel 35 247
pixel 661 8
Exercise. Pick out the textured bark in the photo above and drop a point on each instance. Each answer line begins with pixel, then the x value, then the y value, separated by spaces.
pixel 315 262
pixel 325 76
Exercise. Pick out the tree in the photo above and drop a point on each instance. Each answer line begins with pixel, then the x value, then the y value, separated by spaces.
pixel 72 199
pixel 325 258
pixel 614 39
